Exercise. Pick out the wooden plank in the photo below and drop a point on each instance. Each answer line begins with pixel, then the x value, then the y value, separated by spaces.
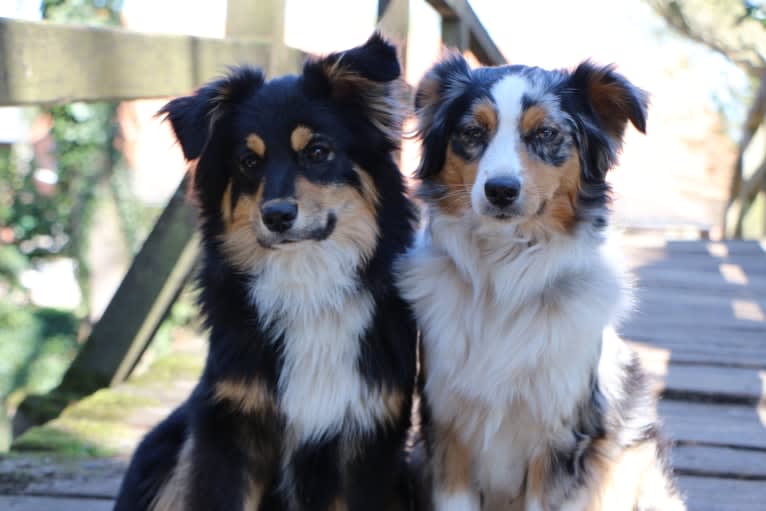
pixel 730 384
pixel 670 280
pixel 732 247
pixel 742 315
pixel 708 267
pixel 50 63
pixel 644 295
pixel 701 382
pixel 713 494
pixel 691 345
pixel 715 424
pixel 39 475
pixel 479 41
pixel 696 336
pixel 719 462
pixel 22 503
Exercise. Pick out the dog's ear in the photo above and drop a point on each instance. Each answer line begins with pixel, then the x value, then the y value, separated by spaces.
pixel 193 117
pixel 606 101
pixel 365 79
pixel 436 93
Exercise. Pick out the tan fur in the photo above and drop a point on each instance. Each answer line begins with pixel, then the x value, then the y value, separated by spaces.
pixel 533 118
pixel 394 400
pixel 256 144
pixel 239 241
pixel 300 138
pixel 451 461
pixel 355 211
pixel 537 476
pixel 385 102
pixel 611 102
pixel 226 204
pixel 248 397
pixel 369 190
pixel 356 215
pixel 339 504
pixel 458 175
pixel 628 479
pixel 172 496
pixel 552 189
pixel 485 114
pixel 253 497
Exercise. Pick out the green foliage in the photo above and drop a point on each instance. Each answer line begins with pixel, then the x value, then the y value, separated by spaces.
pixel 101 12
pixel 39 222
pixel 36 345
pixel 755 9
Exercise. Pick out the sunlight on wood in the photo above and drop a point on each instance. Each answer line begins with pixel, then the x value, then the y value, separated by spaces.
pixel 718 250
pixel 733 274
pixel 747 310
pixel 761 407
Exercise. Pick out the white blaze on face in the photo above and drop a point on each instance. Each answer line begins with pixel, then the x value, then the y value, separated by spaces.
pixel 501 158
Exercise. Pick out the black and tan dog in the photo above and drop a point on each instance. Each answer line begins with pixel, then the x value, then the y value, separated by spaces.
pixel 304 403
pixel 533 407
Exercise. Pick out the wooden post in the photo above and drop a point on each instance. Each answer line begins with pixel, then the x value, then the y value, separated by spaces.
pixel 462 29
pixel 263 20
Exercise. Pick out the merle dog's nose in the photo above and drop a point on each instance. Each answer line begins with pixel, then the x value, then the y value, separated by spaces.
pixel 502 191
pixel 279 215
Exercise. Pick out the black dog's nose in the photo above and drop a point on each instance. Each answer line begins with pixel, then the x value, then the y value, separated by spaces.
pixel 279 215
pixel 502 191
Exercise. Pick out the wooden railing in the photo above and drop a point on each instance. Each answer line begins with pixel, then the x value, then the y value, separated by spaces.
pixel 44 63
pixel 743 191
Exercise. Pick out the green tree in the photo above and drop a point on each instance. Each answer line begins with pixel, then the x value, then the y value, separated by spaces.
pixel 37 344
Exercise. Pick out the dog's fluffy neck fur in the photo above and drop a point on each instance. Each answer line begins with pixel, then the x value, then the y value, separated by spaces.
pixel 526 314
pixel 511 263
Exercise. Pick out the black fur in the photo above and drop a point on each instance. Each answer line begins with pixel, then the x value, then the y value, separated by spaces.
pixel 232 448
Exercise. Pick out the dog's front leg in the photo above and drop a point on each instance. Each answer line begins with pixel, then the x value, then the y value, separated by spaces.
pixel 229 458
pixel 452 487
pixel 538 473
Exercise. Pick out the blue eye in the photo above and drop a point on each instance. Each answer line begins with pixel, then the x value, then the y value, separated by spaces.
pixel 545 134
pixel 472 135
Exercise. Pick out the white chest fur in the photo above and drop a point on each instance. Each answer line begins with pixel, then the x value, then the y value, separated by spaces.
pixel 313 299
pixel 511 335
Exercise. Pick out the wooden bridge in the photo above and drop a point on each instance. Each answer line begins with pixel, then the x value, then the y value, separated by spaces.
pixel 700 324
pixel 700 328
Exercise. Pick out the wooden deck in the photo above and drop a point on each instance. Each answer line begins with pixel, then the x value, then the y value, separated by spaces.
pixel 700 327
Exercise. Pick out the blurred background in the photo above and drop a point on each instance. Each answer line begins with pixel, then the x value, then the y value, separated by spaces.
pixel 83 183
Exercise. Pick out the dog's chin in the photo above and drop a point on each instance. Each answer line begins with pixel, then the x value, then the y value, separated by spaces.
pixel 502 215
pixel 318 232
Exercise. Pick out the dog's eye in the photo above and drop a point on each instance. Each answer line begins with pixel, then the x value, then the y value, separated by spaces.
pixel 318 152
pixel 545 134
pixel 249 161
pixel 472 135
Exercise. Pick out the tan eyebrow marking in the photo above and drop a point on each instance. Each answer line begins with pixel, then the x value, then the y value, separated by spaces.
pixel 300 137
pixel 256 144
pixel 533 118
pixel 485 114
